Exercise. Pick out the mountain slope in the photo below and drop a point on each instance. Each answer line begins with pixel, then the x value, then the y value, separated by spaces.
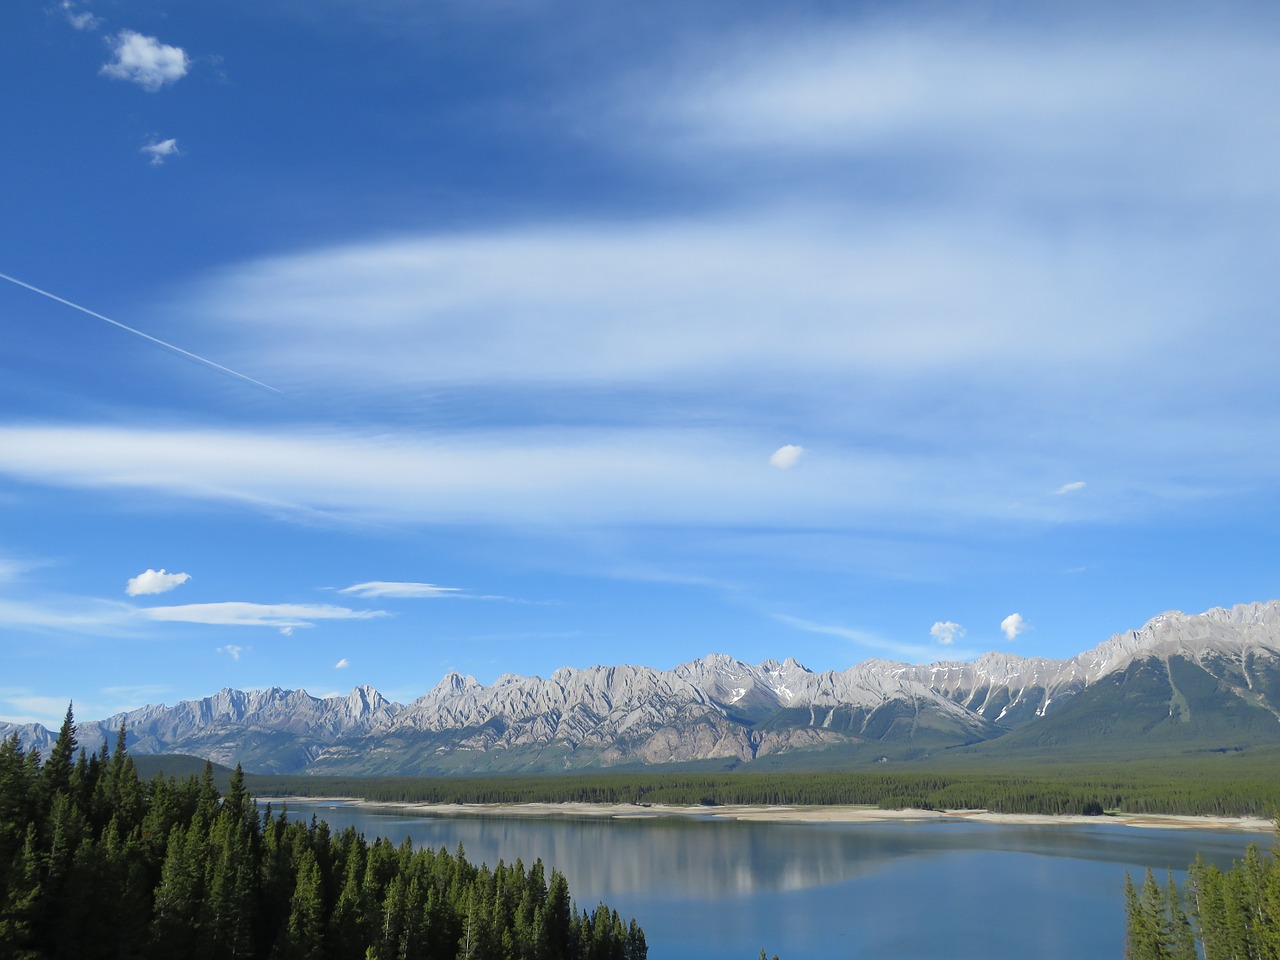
pixel 1205 681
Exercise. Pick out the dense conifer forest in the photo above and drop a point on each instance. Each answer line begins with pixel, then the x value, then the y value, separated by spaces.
pixel 96 863
pixel 1217 915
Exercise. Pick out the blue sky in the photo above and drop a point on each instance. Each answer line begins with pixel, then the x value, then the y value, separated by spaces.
pixel 600 333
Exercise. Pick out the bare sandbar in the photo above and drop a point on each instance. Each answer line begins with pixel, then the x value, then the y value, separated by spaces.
pixel 798 814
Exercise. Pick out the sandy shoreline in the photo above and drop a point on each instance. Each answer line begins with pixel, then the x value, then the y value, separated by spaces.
pixel 795 814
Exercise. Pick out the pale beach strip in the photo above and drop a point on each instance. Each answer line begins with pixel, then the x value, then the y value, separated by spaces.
pixel 794 814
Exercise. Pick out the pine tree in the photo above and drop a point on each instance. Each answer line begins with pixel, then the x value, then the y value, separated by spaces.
pixel 304 938
pixel 55 772
pixel 98 865
pixel 178 895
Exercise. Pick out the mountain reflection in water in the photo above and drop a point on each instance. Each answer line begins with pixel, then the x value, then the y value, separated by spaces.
pixel 707 856
pixel 711 889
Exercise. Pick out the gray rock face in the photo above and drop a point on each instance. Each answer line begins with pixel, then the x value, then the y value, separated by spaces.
pixel 715 707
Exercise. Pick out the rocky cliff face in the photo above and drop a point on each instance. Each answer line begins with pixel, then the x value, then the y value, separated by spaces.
pixel 711 708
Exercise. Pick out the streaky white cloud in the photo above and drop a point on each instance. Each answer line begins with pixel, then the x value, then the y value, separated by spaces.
pixel 145 61
pixel 25 706
pixel 11 569
pixel 80 19
pixel 537 478
pixel 342 664
pixel 400 590
pixel 154 581
pixel 784 297
pixel 1070 487
pixel 786 457
pixel 71 615
pixel 1013 625
pixel 530 477
pixel 913 652
pixel 946 631
pixel 137 694
pixel 234 613
pixel 1016 110
pixel 161 150
pixel 231 650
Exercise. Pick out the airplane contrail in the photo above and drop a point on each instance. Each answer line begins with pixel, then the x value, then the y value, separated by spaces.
pixel 145 336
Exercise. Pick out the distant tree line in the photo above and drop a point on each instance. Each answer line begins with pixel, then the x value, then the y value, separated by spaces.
pixel 95 863
pixel 1133 788
pixel 1217 915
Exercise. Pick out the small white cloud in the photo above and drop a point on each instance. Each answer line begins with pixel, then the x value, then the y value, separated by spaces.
pixel 161 150
pixel 342 664
pixel 1070 487
pixel 154 581
pixel 1012 625
pixel 784 458
pixel 145 61
pixel 946 631
pixel 231 650
pixel 398 589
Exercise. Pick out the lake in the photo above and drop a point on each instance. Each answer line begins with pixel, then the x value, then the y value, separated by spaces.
pixel 715 889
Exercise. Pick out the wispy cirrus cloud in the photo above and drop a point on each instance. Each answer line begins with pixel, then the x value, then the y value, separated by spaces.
pixel 770 294
pixel 70 615
pixel 400 590
pixel 232 613
pixel 866 640
pixel 1021 112
pixel 591 476
pixel 21 705
pixel 89 616
pixel 78 18
pixel 578 476
pixel 11 569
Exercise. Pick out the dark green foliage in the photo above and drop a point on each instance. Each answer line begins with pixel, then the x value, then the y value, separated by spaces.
pixel 94 863
pixel 1158 929
pixel 1221 916
pixel 1208 784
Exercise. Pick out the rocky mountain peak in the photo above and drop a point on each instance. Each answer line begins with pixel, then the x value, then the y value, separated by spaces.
pixel 1224 631
pixel 713 707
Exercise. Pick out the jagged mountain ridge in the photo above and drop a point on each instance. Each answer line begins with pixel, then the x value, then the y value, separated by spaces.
pixel 715 707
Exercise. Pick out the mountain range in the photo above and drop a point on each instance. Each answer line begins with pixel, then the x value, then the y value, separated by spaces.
pixel 1208 681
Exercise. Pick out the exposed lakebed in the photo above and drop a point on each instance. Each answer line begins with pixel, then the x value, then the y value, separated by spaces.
pixel 712 888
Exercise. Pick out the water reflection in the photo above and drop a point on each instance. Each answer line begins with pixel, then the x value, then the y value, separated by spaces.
pixel 706 889
pixel 724 858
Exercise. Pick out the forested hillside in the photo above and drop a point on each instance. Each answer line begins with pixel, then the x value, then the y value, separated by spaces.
pixel 95 863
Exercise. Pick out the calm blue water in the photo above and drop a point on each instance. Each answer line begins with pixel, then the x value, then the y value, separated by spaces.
pixel 933 890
